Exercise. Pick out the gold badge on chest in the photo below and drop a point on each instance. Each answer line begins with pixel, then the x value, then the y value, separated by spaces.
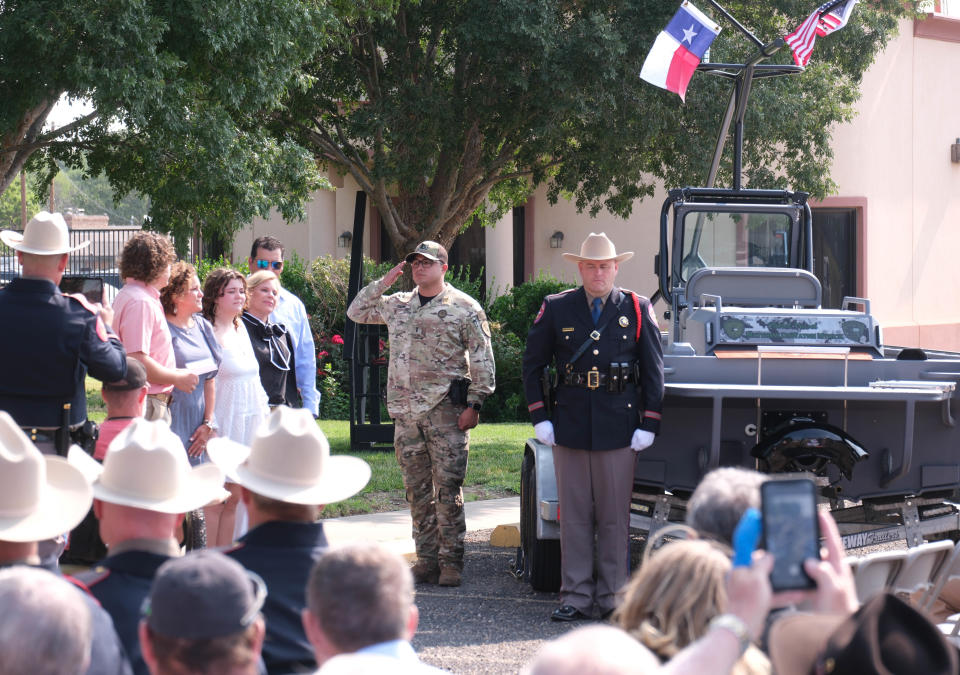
pixel 623 321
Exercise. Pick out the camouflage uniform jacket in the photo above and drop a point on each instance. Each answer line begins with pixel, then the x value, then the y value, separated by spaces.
pixel 445 339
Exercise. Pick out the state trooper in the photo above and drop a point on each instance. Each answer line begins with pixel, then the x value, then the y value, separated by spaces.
pixel 286 476
pixel 51 340
pixel 606 345
pixel 441 370
pixel 140 513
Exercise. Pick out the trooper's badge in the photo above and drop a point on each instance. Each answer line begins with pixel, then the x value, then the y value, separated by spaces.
pixel 623 321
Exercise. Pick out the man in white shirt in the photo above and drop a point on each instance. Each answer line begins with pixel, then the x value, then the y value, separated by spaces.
pixel 267 254
pixel 360 615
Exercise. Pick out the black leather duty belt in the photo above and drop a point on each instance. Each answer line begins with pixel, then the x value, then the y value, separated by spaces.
pixel 592 379
pixel 41 435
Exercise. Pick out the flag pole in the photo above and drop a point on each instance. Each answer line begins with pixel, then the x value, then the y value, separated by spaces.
pixel 737 107
pixel 753 38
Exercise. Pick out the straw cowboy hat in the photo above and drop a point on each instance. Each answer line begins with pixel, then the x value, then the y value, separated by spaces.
pixel 41 496
pixel 598 247
pixel 45 234
pixel 289 460
pixel 886 635
pixel 146 467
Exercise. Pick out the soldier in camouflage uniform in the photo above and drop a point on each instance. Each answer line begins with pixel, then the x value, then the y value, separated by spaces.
pixel 438 336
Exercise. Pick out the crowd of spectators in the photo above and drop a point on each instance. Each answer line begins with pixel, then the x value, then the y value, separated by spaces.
pixel 207 415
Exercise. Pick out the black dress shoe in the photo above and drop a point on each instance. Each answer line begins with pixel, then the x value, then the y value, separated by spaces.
pixel 568 613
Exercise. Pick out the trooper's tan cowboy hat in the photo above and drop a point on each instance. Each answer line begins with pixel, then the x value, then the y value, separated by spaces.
pixel 41 496
pixel 598 247
pixel 289 460
pixel 146 467
pixel 45 234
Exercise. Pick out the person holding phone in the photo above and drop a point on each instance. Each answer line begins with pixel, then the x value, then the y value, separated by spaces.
pixel 51 341
pixel 195 348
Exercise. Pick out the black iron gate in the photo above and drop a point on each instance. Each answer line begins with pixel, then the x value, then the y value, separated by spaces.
pixel 362 349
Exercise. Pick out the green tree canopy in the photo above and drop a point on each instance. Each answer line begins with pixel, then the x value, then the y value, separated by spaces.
pixel 181 92
pixel 447 105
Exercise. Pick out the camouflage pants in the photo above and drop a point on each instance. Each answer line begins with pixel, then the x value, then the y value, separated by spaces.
pixel 432 453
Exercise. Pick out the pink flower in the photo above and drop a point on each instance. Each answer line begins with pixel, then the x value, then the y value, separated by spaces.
pixel 322 354
pixel 337 340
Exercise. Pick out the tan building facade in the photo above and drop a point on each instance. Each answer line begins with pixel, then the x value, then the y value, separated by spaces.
pixel 891 233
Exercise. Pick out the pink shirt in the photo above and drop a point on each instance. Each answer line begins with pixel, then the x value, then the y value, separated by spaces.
pixel 108 431
pixel 139 322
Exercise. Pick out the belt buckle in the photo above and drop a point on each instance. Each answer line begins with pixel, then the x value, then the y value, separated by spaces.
pixel 593 379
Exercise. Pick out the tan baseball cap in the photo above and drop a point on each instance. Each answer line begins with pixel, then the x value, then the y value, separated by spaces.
pixel 430 250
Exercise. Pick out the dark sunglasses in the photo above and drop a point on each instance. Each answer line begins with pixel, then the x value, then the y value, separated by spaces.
pixel 266 264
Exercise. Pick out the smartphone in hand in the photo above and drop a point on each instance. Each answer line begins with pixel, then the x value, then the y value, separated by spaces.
pixel 791 530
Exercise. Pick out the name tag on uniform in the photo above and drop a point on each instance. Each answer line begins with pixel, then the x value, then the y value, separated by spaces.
pixel 567 330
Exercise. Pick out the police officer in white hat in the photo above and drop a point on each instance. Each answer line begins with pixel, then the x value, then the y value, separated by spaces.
pixel 51 340
pixel 606 345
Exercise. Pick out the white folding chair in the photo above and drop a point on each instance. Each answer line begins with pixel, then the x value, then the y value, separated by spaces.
pixel 949 571
pixel 876 572
pixel 920 569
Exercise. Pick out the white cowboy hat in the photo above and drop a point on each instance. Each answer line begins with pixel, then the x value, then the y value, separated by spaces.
pixel 146 467
pixel 45 234
pixel 598 247
pixel 41 496
pixel 289 460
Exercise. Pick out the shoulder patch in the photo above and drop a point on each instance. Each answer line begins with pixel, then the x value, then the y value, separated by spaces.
pixel 92 577
pixel 543 306
pixel 101 328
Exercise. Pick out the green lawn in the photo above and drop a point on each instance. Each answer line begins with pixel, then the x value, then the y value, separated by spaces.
pixel 496 451
pixel 493 470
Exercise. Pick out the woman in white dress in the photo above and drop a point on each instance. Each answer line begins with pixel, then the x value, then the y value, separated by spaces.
pixel 241 403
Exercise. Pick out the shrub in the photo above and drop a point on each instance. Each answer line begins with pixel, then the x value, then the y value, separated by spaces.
pixel 507 403
pixel 517 309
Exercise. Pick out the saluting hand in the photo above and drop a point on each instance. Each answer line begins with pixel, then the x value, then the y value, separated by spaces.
pixel 391 277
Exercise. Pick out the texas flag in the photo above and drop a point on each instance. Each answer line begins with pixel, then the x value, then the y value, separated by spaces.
pixel 678 49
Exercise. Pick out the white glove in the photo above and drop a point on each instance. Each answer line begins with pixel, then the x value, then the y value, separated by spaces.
pixel 544 432
pixel 641 439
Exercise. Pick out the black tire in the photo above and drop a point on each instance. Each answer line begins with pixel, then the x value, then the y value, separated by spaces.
pixel 194 530
pixel 541 557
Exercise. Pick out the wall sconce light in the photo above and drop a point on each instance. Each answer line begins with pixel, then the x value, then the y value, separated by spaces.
pixel 955 151
pixel 345 238
pixel 556 239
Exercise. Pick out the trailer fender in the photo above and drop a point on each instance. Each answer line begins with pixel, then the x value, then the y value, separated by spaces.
pixel 548 525
pixel 804 445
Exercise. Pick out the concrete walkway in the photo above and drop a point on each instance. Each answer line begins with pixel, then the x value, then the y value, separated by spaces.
pixel 393 528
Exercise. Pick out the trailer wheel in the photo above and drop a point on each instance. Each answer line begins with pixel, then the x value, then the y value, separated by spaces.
pixel 541 557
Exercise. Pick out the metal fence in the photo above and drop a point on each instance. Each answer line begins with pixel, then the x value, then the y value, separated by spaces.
pixel 98 259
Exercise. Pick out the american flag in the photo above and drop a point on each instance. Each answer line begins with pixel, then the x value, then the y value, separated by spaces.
pixel 827 18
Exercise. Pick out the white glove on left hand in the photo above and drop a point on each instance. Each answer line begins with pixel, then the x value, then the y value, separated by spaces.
pixel 641 439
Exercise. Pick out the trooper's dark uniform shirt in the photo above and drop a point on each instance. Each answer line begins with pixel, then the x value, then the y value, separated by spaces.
pixel 595 418
pixel 51 341
pixel 120 583
pixel 283 553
